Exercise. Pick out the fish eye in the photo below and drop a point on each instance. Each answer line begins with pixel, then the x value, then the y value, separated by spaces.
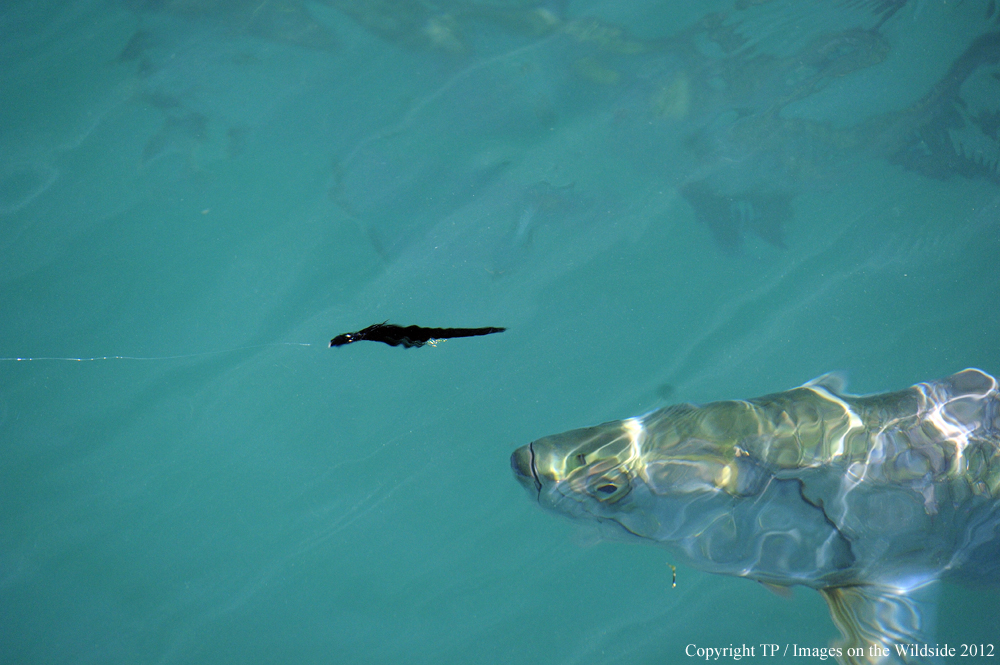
pixel 610 488
pixel 581 459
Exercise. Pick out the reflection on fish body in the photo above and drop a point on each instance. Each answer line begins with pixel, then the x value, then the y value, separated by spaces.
pixel 870 500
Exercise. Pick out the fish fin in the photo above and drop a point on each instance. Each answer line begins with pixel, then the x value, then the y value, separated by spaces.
pixel 730 216
pixel 140 42
pixel 778 590
pixel 949 139
pixel 714 212
pixel 834 382
pixel 765 215
pixel 885 615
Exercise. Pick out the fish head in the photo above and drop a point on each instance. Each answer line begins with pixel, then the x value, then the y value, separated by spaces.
pixel 616 474
pixel 679 478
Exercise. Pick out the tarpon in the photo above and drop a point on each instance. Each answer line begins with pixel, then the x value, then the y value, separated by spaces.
pixel 868 499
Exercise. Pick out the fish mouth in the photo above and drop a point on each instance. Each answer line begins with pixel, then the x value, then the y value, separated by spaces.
pixel 522 461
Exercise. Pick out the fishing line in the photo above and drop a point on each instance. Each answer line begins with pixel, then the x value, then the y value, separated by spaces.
pixel 185 355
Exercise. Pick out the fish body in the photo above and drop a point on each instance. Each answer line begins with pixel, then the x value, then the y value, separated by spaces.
pixel 869 499
pixel 752 155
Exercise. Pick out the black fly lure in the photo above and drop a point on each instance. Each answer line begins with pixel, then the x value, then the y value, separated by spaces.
pixel 408 336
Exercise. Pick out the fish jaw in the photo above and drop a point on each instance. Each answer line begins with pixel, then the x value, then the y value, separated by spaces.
pixel 522 463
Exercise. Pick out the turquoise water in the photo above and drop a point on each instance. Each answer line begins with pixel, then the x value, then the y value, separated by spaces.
pixel 214 190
